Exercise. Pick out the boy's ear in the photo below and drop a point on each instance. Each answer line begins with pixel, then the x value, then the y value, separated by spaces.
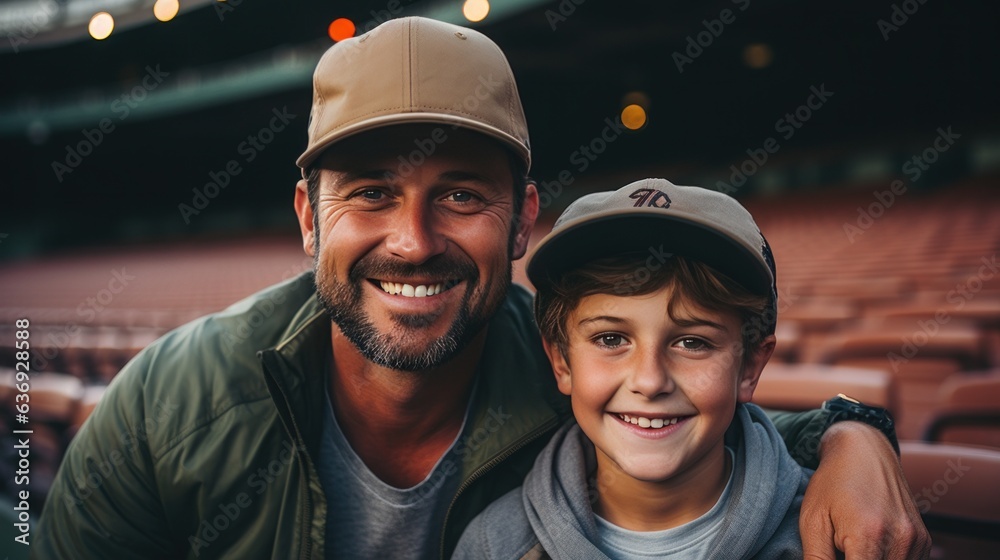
pixel 753 367
pixel 560 367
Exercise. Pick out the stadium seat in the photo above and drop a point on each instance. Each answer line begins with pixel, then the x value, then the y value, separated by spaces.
pixel 88 402
pixel 968 411
pixel 54 397
pixel 807 386
pixel 957 492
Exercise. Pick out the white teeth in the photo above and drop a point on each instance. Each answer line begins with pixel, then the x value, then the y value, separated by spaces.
pixel 407 290
pixel 644 422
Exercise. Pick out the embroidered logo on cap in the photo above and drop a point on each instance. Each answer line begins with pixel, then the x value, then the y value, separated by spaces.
pixel 650 197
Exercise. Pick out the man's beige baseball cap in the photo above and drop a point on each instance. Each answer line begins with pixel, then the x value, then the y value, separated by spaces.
pixel 415 70
pixel 661 219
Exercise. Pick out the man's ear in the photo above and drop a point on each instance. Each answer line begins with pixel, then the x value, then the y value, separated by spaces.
pixel 560 367
pixel 525 222
pixel 753 366
pixel 304 211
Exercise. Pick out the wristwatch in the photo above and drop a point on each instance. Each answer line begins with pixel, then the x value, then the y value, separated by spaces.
pixel 843 407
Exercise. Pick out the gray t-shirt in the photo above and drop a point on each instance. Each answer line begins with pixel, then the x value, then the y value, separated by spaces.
pixel 689 541
pixel 367 518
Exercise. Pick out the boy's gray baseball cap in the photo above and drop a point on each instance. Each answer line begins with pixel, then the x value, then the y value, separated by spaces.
pixel 660 218
pixel 415 70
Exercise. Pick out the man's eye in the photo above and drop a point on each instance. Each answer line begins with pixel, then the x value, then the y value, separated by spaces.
pixel 461 196
pixel 371 194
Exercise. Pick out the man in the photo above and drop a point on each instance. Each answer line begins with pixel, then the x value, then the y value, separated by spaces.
pixel 373 408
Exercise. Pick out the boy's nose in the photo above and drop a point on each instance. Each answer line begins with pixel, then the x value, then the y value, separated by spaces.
pixel 650 376
pixel 414 236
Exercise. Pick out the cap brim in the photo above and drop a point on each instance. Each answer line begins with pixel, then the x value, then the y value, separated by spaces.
pixel 454 121
pixel 656 235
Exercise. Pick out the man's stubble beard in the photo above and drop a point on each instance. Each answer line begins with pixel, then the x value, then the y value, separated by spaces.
pixel 343 304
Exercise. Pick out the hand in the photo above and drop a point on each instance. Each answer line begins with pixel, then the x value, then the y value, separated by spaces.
pixel 859 502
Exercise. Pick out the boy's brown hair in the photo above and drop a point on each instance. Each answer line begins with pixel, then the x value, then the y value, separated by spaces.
pixel 630 275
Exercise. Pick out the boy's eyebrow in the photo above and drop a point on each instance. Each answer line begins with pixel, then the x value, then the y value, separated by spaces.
pixel 688 322
pixel 607 318
pixel 697 321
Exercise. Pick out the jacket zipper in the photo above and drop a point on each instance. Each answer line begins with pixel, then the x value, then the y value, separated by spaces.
pixel 489 466
pixel 299 445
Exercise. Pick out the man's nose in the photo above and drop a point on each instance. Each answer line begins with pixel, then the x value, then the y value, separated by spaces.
pixel 415 235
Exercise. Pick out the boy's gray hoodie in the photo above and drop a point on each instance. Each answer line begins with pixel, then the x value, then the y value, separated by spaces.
pixel 550 516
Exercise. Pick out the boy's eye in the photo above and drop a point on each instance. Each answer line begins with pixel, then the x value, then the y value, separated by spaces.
pixel 610 340
pixel 692 344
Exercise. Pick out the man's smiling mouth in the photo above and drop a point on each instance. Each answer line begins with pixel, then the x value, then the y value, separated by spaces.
pixel 415 290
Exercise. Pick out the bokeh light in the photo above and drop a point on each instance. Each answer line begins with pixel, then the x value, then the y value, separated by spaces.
pixel 101 25
pixel 757 55
pixel 341 28
pixel 475 10
pixel 165 10
pixel 633 117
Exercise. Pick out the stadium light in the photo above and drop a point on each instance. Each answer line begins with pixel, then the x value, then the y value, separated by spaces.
pixel 341 28
pixel 165 10
pixel 475 10
pixel 634 117
pixel 101 25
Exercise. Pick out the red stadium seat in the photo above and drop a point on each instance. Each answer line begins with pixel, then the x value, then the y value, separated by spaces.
pixel 807 386
pixel 969 411
pixel 957 492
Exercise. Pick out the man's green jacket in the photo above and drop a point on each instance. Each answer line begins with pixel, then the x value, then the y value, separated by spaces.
pixel 204 446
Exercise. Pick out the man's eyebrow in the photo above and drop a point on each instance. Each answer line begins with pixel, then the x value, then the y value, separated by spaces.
pixel 349 177
pixel 465 176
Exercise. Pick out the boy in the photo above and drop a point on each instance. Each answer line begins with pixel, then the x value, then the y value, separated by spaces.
pixel 656 305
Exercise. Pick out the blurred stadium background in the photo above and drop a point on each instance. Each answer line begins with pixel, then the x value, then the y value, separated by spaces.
pixel 864 136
